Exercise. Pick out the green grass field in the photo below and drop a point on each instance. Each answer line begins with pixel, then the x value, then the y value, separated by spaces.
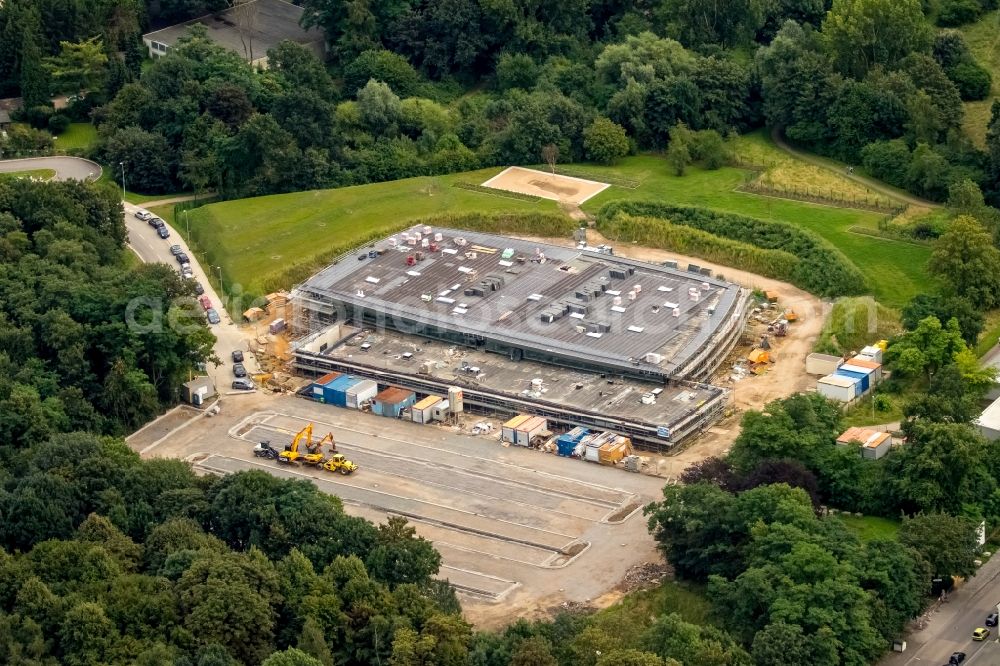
pixel 257 240
pixel 983 38
pixel 79 136
pixel 870 528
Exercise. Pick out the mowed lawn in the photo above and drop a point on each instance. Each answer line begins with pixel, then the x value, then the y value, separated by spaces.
pixel 270 242
pixel 78 136
pixel 983 38
pixel 895 270
pixel 258 241
pixel 870 528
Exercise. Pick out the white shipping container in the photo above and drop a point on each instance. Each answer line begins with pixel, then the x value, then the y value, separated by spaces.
pixel 872 351
pixel 524 433
pixel 593 454
pixel 837 387
pixel 822 364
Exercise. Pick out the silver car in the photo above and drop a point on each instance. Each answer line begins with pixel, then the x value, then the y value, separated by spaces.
pixel 143 215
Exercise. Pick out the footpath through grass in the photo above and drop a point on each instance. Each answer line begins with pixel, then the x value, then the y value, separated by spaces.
pixel 270 242
pixel 983 38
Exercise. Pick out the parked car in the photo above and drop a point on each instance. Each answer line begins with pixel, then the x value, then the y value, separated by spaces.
pixel 155 222
pixel 991 619
pixel 243 384
pixel 980 634
pixel 182 258
pixel 956 659
pixel 198 289
pixel 175 250
pixel 206 302
pixel 143 215
pixel 162 231
pixel 213 316
pixel 239 370
pixel 237 356
pixel 186 271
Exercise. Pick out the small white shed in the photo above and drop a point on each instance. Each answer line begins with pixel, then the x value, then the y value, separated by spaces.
pixel 837 387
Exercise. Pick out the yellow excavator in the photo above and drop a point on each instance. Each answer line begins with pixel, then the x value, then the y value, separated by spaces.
pixel 293 452
pixel 338 463
pixel 327 439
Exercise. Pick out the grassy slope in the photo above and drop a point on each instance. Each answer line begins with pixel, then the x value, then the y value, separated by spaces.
pixel 38 174
pixel 983 37
pixel 255 240
pixel 895 270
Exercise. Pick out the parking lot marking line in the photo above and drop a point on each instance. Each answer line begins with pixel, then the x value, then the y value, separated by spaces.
pixel 317 478
pixel 499 481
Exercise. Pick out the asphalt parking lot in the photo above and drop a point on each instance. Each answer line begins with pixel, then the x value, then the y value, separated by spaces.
pixel 517 529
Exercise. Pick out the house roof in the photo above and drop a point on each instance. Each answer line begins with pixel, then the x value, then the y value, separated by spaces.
pixel 274 22
pixel 199 382
pixel 868 438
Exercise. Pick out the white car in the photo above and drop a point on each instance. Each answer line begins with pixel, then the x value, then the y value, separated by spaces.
pixel 143 215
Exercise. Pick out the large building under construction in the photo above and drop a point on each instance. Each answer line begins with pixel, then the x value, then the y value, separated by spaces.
pixel 527 327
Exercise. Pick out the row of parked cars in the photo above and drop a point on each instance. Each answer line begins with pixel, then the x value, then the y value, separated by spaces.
pixel 184 263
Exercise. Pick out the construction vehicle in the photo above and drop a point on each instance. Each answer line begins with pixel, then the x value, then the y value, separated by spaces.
pixel 790 315
pixel 293 452
pixel 265 450
pixel 327 439
pixel 339 463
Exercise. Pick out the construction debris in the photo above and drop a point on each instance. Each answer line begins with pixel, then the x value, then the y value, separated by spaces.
pixel 645 575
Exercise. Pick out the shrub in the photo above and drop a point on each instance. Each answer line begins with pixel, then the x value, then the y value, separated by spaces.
pixel 958 12
pixel 58 123
pixel 972 80
pixel 386 66
pixel 38 116
pixel 821 268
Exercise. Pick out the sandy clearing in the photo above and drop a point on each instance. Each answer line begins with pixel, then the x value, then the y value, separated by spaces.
pixel 565 189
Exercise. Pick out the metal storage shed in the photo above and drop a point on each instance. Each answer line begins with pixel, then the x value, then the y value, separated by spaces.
pixel 509 429
pixel 864 375
pixel 421 412
pixel 874 443
pixel 837 387
pixel 358 394
pixel 874 351
pixel 335 393
pixel 526 431
pixel 865 364
pixel 318 392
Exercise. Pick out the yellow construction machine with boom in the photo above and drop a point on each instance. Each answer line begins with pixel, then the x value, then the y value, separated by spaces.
pixel 294 451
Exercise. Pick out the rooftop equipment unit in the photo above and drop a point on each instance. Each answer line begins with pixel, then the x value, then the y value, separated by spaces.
pixel 618 272
pixel 578 308
pixel 694 268
pixel 707 272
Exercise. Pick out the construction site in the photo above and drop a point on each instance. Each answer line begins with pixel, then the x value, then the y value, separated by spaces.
pixel 576 335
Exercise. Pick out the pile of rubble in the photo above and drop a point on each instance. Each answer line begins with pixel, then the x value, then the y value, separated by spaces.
pixel 645 575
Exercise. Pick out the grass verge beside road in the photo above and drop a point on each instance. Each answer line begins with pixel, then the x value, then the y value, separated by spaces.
pixel 37 174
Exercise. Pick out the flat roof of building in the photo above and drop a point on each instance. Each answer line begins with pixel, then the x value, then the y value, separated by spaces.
pixel 868 438
pixel 990 418
pixel 470 368
pixel 838 380
pixel 587 305
pixel 274 21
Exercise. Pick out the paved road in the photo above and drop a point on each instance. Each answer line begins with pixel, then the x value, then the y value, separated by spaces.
pixel 951 625
pixel 780 142
pixel 151 248
pixel 66 168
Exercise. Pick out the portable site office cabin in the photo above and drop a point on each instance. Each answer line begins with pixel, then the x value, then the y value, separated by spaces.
pixel 359 393
pixel 873 351
pixel 422 412
pixel 525 432
pixel 335 393
pixel 862 375
pixel 392 401
pixel 860 364
pixel 508 432
pixel 319 386
pixel 822 364
pixel 838 387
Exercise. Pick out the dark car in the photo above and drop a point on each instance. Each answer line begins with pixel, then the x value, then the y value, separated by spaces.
pixel 213 316
pixel 198 289
pixel 162 231
pixel 239 370
pixel 156 222
pixel 956 658
pixel 182 258
pixel 237 356
pixel 243 384
pixel 175 250
pixel 991 619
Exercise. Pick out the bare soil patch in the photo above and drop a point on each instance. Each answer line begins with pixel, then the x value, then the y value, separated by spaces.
pixel 566 189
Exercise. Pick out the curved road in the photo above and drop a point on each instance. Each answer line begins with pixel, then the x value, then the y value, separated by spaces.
pixel 871 183
pixel 66 168
pixel 150 248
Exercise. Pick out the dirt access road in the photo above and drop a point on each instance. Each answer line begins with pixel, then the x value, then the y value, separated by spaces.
pixel 785 377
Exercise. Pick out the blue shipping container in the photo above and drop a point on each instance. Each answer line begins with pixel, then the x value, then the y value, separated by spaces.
pixel 336 391
pixel 865 379
pixel 566 443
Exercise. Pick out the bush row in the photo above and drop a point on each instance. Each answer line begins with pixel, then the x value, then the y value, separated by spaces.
pixel 657 232
pixel 821 268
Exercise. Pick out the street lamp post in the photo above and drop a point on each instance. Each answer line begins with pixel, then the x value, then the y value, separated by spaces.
pixel 122 165
pixel 188 225
pixel 222 287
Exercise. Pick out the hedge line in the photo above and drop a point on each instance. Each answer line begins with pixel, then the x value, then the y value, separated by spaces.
pixel 657 232
pixel 821 269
